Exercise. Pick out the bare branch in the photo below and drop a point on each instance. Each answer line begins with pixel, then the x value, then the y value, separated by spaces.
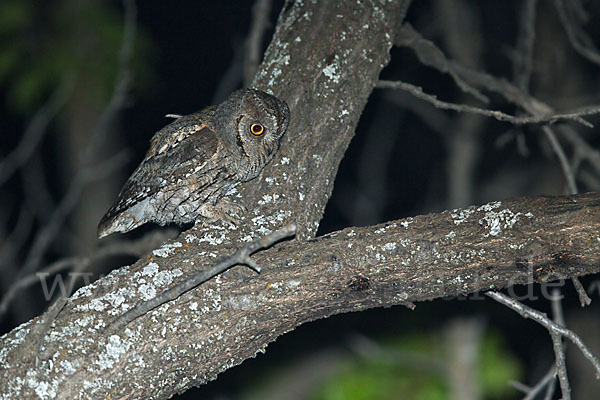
pixel 136 248
pixel 523 60
pixel 535 107
pixel 39 331
pixel 48 233
pixel 580 41
pixel 557 344
pixel 499 115
pixel 584 299
pixel 12 242
pixel 547 380
pixel 119 96
pixel 562 158
pixel 552 327
pixel 531 393
pixel 36 130
pixel 429 54
pixel 371 350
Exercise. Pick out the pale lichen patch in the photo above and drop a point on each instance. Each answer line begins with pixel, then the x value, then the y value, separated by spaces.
pixel 497 221
pixel 85 291
pixel 114 348
pixel 293 284
pixel 149 270
pixel 332 71
pixel 406 222
pixel 389 246
pixel 211 239
pixel 461 215
pixel 268 198
pixel 490 206
pixel 167 249
pixel 189 238
pixel 44 390
pixel 147 291
pixel 164 278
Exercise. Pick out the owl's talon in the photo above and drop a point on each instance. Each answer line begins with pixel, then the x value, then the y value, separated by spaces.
pixel 219 213
pixel 230 207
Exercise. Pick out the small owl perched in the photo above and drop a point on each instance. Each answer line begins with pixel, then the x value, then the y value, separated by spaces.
pixel 194 161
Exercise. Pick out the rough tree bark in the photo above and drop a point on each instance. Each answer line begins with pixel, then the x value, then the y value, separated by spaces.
pixel 324 61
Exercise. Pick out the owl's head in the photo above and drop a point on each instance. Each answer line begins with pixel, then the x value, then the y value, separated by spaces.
pixel 251 123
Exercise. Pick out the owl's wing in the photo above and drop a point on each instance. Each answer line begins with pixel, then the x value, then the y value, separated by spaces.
pixel 184 144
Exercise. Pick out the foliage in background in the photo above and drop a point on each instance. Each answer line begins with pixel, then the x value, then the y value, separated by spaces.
pixel 42 43
pixel 376 379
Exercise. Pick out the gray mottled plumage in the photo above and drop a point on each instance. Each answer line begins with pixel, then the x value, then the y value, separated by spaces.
pixel 194 161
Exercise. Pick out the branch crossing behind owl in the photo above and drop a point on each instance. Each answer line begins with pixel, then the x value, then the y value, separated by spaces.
pixel 196 160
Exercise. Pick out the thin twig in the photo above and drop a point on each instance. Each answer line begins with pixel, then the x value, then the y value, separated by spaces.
pixel 521 387
pixel 557 344
pixel 562 158
pixel 240 257
pixel 35 189
pixel 12 242
pixel 561 366
pixel 535 107
pixel 49 232
pixel 584 299
pixel 523 60
pixel 499 115
pixel 578 38
pixel 39 331
pixel 430 54
pixel 36 130
pixel 542 319
pixel 369 349
pixel 581 149
pixel 550 390
pixel 546 379
pixel 136 248
pixel 523 67
pixel 122 82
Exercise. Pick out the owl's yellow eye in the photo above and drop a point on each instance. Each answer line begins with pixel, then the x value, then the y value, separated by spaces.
pixel 257 129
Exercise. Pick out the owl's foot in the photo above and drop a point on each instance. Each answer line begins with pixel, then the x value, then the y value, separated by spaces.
pixel 222 212
pixel 231 208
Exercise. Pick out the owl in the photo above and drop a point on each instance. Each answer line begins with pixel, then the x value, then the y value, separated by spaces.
pixel 193 162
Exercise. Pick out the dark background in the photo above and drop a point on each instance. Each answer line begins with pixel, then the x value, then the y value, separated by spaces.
pixel 397 164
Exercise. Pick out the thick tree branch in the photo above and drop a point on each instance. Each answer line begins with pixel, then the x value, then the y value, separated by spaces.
pixel 232 317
